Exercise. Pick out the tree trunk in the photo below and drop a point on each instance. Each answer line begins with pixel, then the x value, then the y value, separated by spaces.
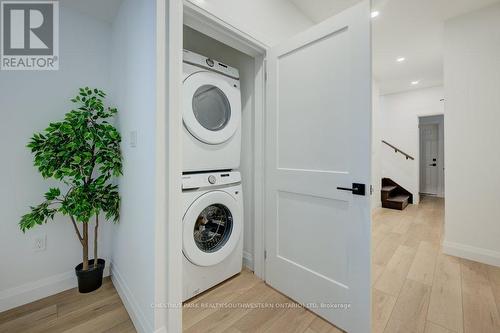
pixel 85 244
pixel 95 240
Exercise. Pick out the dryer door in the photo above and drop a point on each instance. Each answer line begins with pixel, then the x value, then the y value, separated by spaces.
pixel 211 107
pixel 212 228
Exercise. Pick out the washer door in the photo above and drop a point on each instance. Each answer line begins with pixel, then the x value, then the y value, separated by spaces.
pixel 212 228
pixel 211 107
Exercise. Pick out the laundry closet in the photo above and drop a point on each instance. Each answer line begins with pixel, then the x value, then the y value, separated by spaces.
pixel 218 139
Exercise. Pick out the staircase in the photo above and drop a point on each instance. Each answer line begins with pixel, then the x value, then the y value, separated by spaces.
pixel 394 196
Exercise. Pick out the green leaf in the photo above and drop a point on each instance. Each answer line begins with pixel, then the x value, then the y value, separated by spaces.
pixel 53 193
pixel 83 152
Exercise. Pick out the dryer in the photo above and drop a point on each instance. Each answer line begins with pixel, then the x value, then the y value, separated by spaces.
pixel 211 115
pixel 212 241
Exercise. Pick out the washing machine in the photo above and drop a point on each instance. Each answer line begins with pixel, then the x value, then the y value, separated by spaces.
pixel 211 114
pixel 212 241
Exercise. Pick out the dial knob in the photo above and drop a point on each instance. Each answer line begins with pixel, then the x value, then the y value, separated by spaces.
pixel 211 179
pixel 210 62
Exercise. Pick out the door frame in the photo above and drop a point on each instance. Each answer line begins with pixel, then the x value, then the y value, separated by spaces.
pixel 441 147
pixel 201 20
pixel 171 18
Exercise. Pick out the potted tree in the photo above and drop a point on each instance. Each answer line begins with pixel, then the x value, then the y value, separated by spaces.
pixel 83 153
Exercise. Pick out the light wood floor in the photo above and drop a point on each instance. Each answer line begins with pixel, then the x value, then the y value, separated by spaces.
pixel 415 288
pixel 71 312
pixel 205 313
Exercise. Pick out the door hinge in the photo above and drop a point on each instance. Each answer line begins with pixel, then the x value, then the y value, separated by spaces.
pixel 265 70
pixel 265 254
pixel 371 189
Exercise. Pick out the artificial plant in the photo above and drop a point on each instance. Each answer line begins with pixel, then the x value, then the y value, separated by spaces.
pixel 83 153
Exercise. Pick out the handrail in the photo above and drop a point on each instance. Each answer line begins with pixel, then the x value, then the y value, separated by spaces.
pixel 397 150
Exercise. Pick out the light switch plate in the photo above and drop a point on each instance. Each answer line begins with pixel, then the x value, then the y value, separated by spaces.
pixel 133 139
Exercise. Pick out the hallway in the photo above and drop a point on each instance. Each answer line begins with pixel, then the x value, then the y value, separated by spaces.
pixel 417 288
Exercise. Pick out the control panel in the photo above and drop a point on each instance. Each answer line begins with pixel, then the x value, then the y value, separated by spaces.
pixel 212 64
pixel 209 179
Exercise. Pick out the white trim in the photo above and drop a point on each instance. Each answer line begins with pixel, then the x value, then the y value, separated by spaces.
pixel 485 256
pixel 35 290
pixel 259 166
pixel 248 260
pixel 137 316
pixel 168 226
pixel 201 20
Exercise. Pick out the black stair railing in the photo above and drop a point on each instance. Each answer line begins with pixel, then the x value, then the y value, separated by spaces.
pixel 397 150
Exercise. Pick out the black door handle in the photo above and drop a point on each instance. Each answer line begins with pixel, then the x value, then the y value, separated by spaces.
pixel 433 164
pixel 357 189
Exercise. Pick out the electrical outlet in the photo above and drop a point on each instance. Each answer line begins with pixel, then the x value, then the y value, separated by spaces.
pixel 39 242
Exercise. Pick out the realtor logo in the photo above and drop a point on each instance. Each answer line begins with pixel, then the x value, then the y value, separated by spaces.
pixel 29 35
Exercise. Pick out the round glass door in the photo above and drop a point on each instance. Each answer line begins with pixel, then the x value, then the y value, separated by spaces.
pixel 211 107
pixel 213 228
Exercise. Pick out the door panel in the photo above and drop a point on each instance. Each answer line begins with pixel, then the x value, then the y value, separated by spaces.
pixel 298 223
pixel 429 159
pixel 318 138
pixel 298 72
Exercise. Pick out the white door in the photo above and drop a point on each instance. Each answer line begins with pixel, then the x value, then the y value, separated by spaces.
pixel 429 151
pixel 318 126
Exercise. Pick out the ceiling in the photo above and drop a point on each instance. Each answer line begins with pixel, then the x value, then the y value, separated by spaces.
pixel 319 10
pixel 405 28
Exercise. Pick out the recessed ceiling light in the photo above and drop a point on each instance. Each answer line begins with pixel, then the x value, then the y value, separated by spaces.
pixel 414 83
pixel 375 13
pixel 401 59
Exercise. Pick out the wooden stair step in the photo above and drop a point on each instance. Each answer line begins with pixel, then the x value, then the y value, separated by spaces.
pixel 394 196
pixel 398 202
pixel 399 198
pixel 388 188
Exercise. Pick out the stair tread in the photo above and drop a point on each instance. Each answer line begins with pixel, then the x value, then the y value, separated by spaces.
pixel 399 198
pixel 388 188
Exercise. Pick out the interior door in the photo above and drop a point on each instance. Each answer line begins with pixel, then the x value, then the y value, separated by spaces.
pixel 318 137
pixel 429 177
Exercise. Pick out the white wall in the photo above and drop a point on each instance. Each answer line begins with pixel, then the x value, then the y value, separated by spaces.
pixel 199 43
pixel 133 77
pixel 29 101
pixel 399 126
pixel 376 146
pixel 268 21
pixel 472 135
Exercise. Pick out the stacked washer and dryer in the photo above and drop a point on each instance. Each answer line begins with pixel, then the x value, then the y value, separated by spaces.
pixel 211 184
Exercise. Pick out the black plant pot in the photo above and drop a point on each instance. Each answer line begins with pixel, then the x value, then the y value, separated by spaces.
pixel 92 279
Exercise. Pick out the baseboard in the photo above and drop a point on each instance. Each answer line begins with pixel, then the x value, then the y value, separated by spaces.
pixel 134 310
pixel 248 260
pixel 484 256
pixel 33 291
